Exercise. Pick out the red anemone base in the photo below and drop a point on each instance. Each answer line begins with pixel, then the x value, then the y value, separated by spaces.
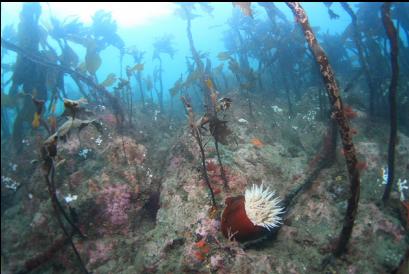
pixel 235 221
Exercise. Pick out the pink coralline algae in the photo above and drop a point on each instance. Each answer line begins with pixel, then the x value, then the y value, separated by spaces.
pixel 116 203
pixel 374 222
pixel 75 179
pixel 70 147
pixel 175 162
pixel 129 176
pixel 208 227
pixel 109 119
pixel 99 253
pixel 216 261
pixel 235 181
pixel 125 148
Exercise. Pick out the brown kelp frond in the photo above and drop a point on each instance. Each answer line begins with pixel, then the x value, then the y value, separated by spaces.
pixel 245 8
pixel 72 124
pixel 219 130
pixel 198 137
pixel 112 101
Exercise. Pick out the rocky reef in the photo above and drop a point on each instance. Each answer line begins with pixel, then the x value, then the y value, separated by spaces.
pixel 141 202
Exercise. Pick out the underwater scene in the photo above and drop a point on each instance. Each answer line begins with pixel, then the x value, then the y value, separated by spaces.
pixel 205 137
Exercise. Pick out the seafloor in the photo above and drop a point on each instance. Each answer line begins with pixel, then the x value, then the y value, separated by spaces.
pixel 143 206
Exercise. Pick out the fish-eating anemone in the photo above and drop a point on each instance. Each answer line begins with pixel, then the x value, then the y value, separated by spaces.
pixel 249 217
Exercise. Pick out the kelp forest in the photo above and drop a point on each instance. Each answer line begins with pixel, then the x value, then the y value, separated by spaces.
pixel 283 150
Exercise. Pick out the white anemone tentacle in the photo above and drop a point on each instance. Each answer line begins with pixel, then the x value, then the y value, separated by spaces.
pixel 262 208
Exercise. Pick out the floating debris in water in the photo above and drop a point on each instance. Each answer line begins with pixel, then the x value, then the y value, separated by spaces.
pixel 149 172
pixel 402 186
pixel 310 116
pixel 34 162
pixel 9 183
pixel 13 166
pixel 98 141
pixel 277 109
pixel 223 104
pixel 155 117
pixel 257 143
pixel 70 198
pixel 74 104
pixel 243 121
pixel 384 175
pixel 84 152
pixel 101 108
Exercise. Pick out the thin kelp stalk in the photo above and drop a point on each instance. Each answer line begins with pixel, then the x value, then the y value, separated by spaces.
pixel 121 61
pixel 392 36
pixel 219 159
pixel 329 147
pixel 353 81
pixel 287 92
pixel 403 265
pixel 259 80
pixel 129 92
pixel 43 257
pixel 226 85
pixel 123 147
pixel 56 204
pixel 248 99
pixel 123 93
pixel 139 78
pixel 297 83
pixel 195 54
pixel 358 43
pixel 273 12
pixel 47 152
pixel 321 104
pixel 82 91
pixel 196 134
pixel 213 116
pixel 160 86
pixel 344 129
pixel 51 190
pixel 4 124
pixel 244 65
pixel 325 159
pixel 136 71
pixel 162 45
pixel 171 109
pixel 149 88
